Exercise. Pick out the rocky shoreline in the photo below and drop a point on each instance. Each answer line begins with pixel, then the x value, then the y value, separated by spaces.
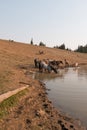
pixel 36 112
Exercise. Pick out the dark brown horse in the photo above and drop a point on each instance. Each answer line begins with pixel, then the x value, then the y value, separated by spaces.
pixel 54 62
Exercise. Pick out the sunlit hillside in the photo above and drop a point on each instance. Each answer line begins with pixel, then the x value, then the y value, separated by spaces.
pixel 13 52
pixel 16 69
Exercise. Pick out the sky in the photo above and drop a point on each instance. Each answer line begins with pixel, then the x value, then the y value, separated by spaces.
pixel 53 22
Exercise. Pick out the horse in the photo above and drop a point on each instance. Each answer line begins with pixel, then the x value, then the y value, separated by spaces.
pixel 66 63
pixel 36 62
pixel 56 63
pixel 43 66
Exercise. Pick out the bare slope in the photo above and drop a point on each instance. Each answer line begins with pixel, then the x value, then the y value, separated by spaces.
pixel 13 54
pixel 34 110
pixel 31 51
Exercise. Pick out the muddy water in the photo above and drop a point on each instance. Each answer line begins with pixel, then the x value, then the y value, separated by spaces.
pixel 68 91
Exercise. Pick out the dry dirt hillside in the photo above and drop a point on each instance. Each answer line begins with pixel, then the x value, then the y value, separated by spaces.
pixel 14 54
pixel 34 111
pixel 20 52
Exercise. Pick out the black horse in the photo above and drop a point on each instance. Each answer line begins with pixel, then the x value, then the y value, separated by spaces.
pixel 36 62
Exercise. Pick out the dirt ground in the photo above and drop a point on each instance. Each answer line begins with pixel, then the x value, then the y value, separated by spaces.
pixel 34 111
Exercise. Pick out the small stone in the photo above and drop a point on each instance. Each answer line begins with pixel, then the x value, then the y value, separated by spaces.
pixel 71 126
pixel 28 121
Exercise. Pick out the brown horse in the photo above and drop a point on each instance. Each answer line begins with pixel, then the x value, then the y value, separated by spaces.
pixel 54 62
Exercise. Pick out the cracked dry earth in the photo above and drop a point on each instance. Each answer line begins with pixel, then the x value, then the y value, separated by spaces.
pixel 35 112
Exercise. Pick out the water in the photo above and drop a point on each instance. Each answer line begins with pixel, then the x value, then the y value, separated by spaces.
pixel 68 91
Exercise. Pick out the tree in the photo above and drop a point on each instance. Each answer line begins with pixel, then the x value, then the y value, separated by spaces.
pixel 62 46
pixel 41 44
pixel 31 41
pixel 82 49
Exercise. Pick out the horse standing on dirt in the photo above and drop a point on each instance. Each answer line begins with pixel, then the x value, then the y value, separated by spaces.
pixel 36 62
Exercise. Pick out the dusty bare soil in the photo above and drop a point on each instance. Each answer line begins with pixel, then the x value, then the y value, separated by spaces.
pixel 34 111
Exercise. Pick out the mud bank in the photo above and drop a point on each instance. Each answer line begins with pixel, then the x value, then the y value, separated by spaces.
pixel 36 112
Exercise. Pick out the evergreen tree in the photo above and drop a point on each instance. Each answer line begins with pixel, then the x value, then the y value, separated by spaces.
pixel 62 46
pixel 41 44
pixel 82 49
pixel 31 41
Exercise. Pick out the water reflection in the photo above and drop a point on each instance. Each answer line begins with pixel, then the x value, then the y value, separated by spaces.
pixel 82 72
pixel 68 90
pixel 51 76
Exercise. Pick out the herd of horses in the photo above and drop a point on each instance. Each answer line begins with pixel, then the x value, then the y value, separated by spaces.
pixel 50 65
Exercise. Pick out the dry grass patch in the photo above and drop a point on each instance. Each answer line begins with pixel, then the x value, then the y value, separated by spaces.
pixel 9 103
